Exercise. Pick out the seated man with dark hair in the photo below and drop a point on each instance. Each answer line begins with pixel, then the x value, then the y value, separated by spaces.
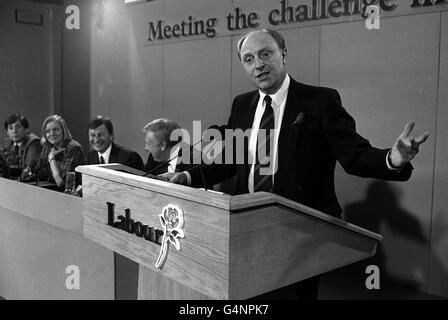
pixel 24 148
pixel 104 150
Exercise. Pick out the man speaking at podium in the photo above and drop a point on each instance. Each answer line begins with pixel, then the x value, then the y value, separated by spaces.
pixel 311 130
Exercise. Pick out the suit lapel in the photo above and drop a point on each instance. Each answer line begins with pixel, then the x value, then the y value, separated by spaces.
pixel 113 154
pixel 248 121
pixel 180 166
pixel 23 146
pixel 245 112
pixel 95 158
pixel 25 141
pixel 289 134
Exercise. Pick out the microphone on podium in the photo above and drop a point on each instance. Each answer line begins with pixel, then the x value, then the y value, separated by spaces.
pixel 217 137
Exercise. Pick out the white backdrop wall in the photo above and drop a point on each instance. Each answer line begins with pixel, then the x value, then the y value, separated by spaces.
pixel 30 62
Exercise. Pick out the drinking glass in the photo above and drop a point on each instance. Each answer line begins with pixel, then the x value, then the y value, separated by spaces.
pixel 70 183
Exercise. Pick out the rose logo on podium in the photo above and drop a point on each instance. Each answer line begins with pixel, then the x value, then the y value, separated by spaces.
pixel 172 221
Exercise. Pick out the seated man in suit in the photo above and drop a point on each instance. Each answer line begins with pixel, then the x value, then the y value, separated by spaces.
pixel 164 154
pixel 24 148
pixel 104 150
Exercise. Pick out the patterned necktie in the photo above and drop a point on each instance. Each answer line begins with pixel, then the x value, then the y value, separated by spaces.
pixel 263 160
pixel 102 160
pixel 16 149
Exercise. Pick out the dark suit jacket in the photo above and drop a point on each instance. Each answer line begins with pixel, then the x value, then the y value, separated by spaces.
pixel 118 154
pixel 308 150
pixel 29 152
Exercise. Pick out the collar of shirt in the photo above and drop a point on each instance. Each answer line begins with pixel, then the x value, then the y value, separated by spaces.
pixel 278 105
pixel 106 154
pixel 174 155
pixel 278 97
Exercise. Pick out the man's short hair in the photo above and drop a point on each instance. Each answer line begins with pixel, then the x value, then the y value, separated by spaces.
pixel 16 118
pixel 162 128
pixel 281 43
pixel 100 120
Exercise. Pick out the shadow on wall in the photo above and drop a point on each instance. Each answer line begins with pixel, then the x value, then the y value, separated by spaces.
pixel 404 246
pixel 439 255
pixel 402 256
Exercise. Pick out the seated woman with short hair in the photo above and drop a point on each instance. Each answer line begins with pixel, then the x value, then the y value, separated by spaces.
pixel 60 152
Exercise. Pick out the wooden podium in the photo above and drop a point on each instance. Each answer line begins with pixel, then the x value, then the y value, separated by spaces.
pixel 233 247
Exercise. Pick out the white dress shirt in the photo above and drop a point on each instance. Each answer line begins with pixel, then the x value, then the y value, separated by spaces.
pixel 18 145
pixel 105 155
pixel 278 105
pixel 174 155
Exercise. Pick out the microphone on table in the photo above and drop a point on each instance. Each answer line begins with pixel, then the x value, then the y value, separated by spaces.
pixel 34 172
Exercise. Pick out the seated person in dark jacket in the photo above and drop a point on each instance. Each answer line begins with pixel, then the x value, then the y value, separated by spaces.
pixel 60 153
pixel 104 150
pixel 165 154
pixel 24 148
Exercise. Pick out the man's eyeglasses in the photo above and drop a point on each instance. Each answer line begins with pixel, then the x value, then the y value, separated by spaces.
pixel 149 146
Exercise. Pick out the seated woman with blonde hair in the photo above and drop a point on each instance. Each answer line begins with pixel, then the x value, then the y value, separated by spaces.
pixel 60 152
